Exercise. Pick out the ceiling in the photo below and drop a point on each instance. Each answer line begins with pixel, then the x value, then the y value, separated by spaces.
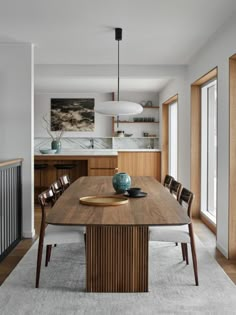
pixel 81 32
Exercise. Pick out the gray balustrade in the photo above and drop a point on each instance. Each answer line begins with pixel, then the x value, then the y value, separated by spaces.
pixel 10 206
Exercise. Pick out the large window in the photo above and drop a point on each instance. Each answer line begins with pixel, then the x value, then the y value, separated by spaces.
pixel 209 149
pixel 173 139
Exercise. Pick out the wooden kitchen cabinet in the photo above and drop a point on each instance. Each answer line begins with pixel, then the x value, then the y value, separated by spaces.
pixel 140 163
pixel 83 166
pixel 45 177
pixel 102 166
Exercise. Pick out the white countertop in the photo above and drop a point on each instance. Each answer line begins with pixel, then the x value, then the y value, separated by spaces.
pixel 105 152
pixel 138 150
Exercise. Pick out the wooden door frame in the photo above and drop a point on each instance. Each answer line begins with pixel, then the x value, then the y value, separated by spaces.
pixel 232 158
pixel 165 136
pixel 195 147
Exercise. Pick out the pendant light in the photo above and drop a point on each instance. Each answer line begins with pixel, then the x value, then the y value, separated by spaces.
pixel 118 108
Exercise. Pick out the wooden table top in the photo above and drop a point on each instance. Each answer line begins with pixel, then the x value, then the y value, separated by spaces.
pixel 158 208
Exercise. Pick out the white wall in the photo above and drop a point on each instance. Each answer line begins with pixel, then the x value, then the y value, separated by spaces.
pixel 16 112
pixel 103 124
pixel 215 53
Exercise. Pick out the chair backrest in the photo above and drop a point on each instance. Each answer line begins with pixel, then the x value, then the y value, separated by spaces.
pixel 167 181
pixel 65 182
pixel 175 188
pixel 47 197
pixel 186 199
pixel 57 189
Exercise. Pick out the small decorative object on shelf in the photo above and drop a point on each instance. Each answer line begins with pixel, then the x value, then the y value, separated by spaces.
pixel 128 134
pixel 121 182
pixel 120 133
pixel 147 104
pixel 144 119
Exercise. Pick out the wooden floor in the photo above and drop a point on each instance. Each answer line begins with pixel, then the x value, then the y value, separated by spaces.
pixel 204 234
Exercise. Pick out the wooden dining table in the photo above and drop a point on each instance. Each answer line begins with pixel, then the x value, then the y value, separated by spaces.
pixel 117 237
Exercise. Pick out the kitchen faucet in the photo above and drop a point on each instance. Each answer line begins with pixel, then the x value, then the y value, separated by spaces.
pixel 91 143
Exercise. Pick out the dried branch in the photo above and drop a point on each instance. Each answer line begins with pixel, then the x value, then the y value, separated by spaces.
pixel 46 125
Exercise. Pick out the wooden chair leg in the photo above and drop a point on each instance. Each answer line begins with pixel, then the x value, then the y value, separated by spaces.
pixel 48 254
pixel 85 240
pixel 194 256
pixel 183 251
pixel 186 252
pixel 39 260
pixel 50 251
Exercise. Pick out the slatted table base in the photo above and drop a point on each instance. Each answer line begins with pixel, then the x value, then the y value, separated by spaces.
pixel 117 258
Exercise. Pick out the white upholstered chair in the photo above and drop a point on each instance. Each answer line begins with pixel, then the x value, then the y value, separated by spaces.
pixel 53 234
pixel 179 234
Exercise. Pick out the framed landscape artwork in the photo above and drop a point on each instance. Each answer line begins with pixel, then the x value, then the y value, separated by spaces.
pixel 72 114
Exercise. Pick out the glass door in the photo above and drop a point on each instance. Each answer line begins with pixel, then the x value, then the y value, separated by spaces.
pixel 173 139
pixel 209 150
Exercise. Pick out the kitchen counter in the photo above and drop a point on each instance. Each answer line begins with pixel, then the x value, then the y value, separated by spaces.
pixel 95 152
pixel 139 150
pixel 95 162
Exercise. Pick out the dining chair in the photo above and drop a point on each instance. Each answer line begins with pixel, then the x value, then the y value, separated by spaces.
pixel 57 189
pixel 167 181
pixel 175 188
pixel 65 181
pixel 64 168
pixel 181 234
pixel 53 234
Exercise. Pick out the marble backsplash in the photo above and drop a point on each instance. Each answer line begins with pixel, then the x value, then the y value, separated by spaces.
pixel 135 143
pixel 73 144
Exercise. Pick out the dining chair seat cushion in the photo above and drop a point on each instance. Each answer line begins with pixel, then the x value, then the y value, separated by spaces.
pixel 178 234
pixel 61 234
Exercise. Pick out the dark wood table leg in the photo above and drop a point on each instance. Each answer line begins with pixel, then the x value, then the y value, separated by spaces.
pixel 117 258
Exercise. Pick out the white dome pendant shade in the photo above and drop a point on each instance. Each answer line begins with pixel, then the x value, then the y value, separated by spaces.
pixel 118 108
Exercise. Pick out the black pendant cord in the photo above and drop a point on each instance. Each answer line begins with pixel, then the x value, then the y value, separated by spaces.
pixel 118 90
pixel 118 94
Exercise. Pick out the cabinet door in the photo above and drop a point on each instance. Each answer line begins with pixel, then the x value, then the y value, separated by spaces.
pixel 103 162
pixel 102 166
pixel 140 163
pixel 102 172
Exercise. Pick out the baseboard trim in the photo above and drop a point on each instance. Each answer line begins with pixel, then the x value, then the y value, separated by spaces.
pixel 222 250
pixel 28 234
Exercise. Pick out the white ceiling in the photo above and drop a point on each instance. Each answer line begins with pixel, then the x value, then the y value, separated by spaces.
pixel 155 32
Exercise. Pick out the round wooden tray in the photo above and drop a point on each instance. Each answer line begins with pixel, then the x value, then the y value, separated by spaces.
pixel 103 201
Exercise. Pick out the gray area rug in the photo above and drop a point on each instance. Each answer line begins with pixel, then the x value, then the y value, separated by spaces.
pixel 171 285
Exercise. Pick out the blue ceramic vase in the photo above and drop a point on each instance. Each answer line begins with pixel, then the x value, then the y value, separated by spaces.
pixel 56 145
pixel 121 182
